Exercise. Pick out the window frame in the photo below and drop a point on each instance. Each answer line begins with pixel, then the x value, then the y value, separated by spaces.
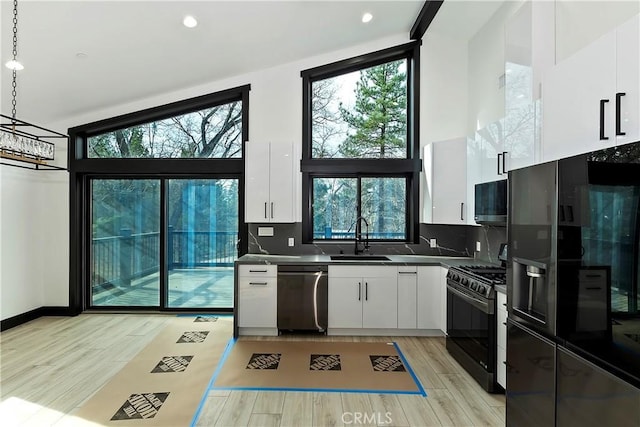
pixel 409 167
pixel 359 178
pixel 82 169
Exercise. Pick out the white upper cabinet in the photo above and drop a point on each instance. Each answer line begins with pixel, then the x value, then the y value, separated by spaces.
pixel 445 193
pixel 270 178
pixel 580 23
pixel 591 99
pixel 528 52
pixel 487 150
pixel 628 81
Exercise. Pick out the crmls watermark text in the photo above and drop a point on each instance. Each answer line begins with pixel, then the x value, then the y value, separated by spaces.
pixel 378 418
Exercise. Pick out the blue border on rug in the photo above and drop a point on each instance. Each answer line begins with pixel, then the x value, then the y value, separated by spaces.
pixel 225 354
pixel 232 341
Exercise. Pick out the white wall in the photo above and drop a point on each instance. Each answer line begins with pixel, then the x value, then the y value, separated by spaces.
pixel 35 205
pixel 23 218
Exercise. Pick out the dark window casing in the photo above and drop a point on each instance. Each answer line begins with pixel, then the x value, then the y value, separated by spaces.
pixel 82 169
pixel 323 167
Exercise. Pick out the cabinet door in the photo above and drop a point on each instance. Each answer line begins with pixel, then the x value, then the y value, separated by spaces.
pixel 448 182
pixel 345 302
pixel 256 182
pixel 407 303
pixel 628 79
pixel 501 345
pixel 429 298
pixel 380 306
pixel 578 94
pixel 494 158
pixel 281 181
pixel 257 305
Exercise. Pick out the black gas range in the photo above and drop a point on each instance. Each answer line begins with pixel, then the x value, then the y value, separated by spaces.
pixel 471 320
pixel 478 280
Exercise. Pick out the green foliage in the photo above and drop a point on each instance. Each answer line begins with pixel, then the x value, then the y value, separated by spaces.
pixel 378 121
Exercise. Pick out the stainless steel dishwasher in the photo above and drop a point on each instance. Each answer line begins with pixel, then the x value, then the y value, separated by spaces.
pixel 302 298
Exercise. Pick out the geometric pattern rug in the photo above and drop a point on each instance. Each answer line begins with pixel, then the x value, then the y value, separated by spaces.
pixel 359 367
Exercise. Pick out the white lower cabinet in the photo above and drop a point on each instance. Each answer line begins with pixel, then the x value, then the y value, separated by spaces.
pixel 363 297
pixel 501 345
pixel 430 298
pixel 407 301
pixel 257 297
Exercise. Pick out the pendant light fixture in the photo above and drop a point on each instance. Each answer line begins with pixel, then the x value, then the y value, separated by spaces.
pixel 21 141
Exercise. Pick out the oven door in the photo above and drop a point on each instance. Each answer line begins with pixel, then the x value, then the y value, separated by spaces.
pixel 471 326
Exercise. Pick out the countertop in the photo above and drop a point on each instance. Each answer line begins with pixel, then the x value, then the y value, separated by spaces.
pixel 326 259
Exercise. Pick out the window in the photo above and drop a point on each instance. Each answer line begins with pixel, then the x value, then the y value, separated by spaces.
pixel 360 146
pixel 334 199
pixel 213 132
pixel 157 205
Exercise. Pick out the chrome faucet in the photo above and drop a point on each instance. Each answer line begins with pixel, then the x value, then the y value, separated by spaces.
pixel 357 249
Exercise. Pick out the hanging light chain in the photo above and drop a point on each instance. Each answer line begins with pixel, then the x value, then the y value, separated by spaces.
pixel 15 56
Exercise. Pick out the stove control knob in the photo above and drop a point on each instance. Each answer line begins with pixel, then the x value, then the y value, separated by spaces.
pixel 465 281
pixel 449 274
pixel 474 285
pixel 482 289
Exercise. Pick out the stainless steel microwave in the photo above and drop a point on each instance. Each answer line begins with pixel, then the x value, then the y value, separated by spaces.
pixel 491 203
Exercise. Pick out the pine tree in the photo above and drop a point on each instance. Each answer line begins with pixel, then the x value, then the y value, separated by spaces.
pixel 378 122
pixel 378 129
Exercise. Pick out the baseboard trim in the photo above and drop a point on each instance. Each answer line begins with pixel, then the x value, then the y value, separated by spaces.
pixel 28 316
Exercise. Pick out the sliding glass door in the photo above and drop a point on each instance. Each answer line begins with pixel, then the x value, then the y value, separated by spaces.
pixel 202 237
pixel 163 243
pixel 125 242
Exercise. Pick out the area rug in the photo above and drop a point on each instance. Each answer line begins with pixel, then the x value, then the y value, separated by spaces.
pixel 164 384
pixel 358 367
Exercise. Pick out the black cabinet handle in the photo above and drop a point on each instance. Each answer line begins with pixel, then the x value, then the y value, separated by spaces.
pixel 462 211
pixel 504 323
pixel 504 303
pixel 366 291
pixel 504 156
pixel 265 210
pixel 271 209
pixel 359 291
pixel 618 130
pixel 498 162
pixel 602 102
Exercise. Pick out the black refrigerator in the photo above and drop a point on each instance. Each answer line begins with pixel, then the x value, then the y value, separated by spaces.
pixel 531 288
pixel 573 344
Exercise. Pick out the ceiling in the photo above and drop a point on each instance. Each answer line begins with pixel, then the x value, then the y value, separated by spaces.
pixel 461 19
pixel 85 55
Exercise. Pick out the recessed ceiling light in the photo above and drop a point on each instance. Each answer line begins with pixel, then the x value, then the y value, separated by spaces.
pixel 189 21
pixel 81 55
pixel 14 65
pixel 367 17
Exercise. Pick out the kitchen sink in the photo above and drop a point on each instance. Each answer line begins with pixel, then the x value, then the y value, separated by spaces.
pixel 359 258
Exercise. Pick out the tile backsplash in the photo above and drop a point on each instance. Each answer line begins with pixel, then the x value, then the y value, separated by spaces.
pixel 452 240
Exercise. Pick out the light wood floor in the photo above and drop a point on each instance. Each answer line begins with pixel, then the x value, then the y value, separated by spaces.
pixel 50 366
